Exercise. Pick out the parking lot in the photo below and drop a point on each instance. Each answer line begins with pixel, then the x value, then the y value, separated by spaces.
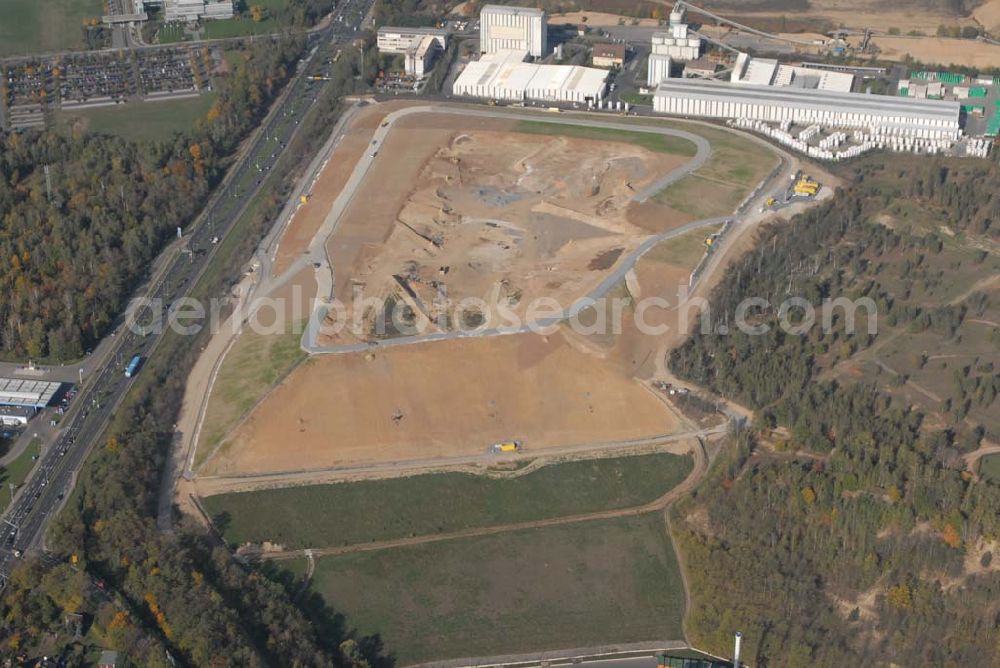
pixel 32 88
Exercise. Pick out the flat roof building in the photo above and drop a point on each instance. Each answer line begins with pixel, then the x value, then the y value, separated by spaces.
pixel 880 115
pixel 503 28
pixel 504 75
pixel 189 10
pixel 27 393
pixel 768 72
pixel 391 39
pixel 420 46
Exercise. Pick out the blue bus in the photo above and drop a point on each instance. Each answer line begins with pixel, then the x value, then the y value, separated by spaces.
pixel 133 366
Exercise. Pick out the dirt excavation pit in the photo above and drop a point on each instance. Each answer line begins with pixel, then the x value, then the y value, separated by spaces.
pixel 435 400
pixel 487 214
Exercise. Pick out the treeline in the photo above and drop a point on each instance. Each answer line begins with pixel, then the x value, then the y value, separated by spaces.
pixel 69 260
pixel 856 536
pixel 837 250
pixel 149 594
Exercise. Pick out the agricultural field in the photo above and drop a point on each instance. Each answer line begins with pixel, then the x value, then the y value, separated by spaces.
pixel 31 26
pixel 568 586
pixel 151 120
pixel 300 517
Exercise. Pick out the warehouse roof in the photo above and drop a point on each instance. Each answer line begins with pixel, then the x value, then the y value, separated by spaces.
pixel 506 69
pixel 825 100
pixel 29 393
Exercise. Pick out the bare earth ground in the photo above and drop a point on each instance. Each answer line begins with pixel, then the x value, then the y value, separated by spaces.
pixel 468 207
pixel 308 217
pixel 940 50
pixel 596 19
pixel 439 399
pixel 867 13
pixel 988 15
pixel 436 400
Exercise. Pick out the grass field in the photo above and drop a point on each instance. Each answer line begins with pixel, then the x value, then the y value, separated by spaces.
pixel 34 26
pixel 735 167
pixel 310 516
pixel 684 251
pixel 254 364
pixel 570 586
pixel 244 25
pixel 172 32
pixel 989 468
pixel 139 121
pixel 647 140
pixel 17 471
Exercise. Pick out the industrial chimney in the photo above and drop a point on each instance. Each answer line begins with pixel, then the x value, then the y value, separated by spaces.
pixel 736 649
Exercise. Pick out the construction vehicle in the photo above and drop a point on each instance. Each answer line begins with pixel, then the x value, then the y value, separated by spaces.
pixel 505 446
pixel 771 201
pixel 303 198
pixel 806 187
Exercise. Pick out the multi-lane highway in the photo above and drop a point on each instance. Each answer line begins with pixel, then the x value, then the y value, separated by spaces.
pixel 26 518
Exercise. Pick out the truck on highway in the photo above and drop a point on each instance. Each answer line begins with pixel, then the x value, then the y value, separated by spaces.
pixel 505 446
pixel 133 366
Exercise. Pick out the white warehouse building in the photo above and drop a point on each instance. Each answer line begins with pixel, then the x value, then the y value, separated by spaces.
pixel 504 76
pixel 503 28
pixel 881 115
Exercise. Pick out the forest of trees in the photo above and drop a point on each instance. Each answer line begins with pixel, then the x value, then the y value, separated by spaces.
pixel 853 535
pixel 70 262
pixel 179 598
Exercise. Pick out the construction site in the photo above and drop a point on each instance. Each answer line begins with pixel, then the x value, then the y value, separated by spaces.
pixel 465 222
pixel 497 219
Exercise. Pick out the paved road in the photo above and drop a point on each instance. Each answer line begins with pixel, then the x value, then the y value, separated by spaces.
pixel 25 520
pixel 221 483
pixel 317 255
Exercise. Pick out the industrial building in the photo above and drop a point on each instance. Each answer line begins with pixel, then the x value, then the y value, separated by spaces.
pixel 420 46
pixel 609 55
pixel 399 40
pixel 768 72
pixel 669 46
pixel 657 69
pixel 503 75
pixel 503 28
pixel 677 43
pixel 880 116
pixel 702 68
pixel 188 10
pixel 20 398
